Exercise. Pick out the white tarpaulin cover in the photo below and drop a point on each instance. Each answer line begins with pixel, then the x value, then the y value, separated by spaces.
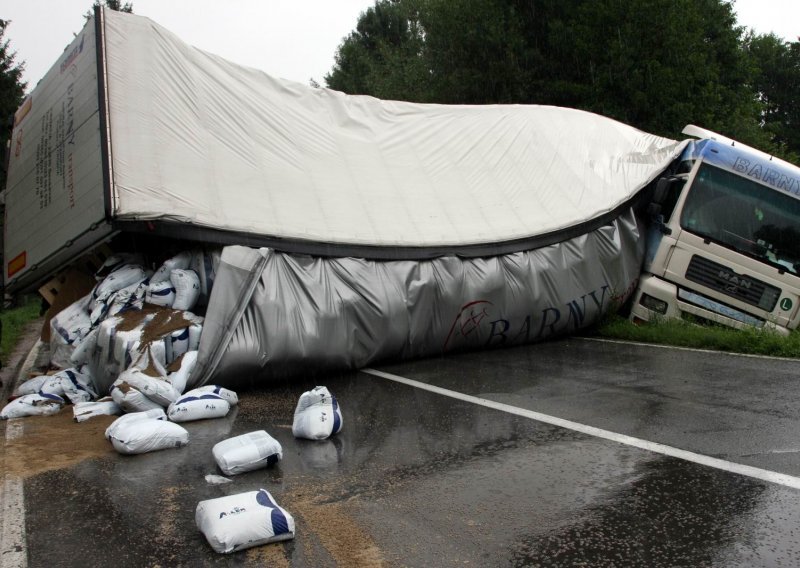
pixel 201 140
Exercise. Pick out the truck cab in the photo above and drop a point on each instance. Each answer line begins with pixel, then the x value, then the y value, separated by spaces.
pixel 723 242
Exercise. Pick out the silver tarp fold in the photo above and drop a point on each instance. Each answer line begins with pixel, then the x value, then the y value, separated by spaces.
pixel 274 315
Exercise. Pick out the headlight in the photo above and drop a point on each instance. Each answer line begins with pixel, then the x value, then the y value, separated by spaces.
pixel 651 303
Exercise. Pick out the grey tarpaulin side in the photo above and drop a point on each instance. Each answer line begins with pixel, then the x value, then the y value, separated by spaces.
pixel 273 314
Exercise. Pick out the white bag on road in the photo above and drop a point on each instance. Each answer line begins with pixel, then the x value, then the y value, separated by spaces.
pixel 198 407
pixel 247 452
pixel 242 521
pixel 83 411
pixel 32 405
pixel 222 392
pixel 146 435
pixel 317 415
pixel 154 414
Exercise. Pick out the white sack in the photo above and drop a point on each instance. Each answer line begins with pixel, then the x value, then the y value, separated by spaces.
pixel 247 452
pixel 148 435
pixel 242 521
pixel 161 294
pixel 179 378
pixel 200 407
pixel 121 278
pixel 132 399
pixel 74 383
pixel 151 360
pixel 154 414
pixel 32 405
pixel 205 264
pixel 99 311
pixel 176 343
pixel 72 323
pixel 31 386
pixel 83 411
pixel 67 328
pixel 194 336
pixel 115 262
pixel 221 392
pixel 181 261
pixel 187 289
pixel 83 349
pixel 129 298
pixel 317 415
pixel 156 389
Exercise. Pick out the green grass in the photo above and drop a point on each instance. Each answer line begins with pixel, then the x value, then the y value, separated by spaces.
pixel 14 321
pixel 719 338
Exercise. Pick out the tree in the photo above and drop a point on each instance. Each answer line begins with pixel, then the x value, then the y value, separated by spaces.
pixel 387 36
pixel 12 92
pixel 777 84
pixel 115 5
pixel 655 64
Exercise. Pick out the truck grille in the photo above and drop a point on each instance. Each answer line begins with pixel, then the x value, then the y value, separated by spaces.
pixel 726 281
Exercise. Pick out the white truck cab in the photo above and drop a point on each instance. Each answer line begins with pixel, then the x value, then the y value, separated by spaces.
pixel 723 244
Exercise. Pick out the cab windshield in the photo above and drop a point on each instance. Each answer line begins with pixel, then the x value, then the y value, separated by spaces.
pixel 745 216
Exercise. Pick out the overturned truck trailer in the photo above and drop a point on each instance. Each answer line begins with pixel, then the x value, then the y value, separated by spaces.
pixel 361 229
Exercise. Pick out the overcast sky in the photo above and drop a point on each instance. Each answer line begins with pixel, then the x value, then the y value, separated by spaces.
pixel 292 39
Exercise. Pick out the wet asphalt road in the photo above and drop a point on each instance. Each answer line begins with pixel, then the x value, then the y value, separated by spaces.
pixel 420 479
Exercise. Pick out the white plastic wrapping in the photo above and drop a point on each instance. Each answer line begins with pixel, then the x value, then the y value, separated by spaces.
pixel 32 405
pixel 247 452
pixel 317 415
pixel 241 521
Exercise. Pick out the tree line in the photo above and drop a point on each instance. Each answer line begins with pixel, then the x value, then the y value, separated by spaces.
pixel 655 64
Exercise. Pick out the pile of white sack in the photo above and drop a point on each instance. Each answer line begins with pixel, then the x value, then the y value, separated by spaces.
pixel 133 340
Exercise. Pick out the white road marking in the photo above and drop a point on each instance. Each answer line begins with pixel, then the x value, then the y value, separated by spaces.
pixel 695 349
pixel 13 551
pixel 724 465
pixel 13 545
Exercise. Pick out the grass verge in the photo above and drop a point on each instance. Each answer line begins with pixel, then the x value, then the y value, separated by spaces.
pixel 14 321
pixel 719 338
